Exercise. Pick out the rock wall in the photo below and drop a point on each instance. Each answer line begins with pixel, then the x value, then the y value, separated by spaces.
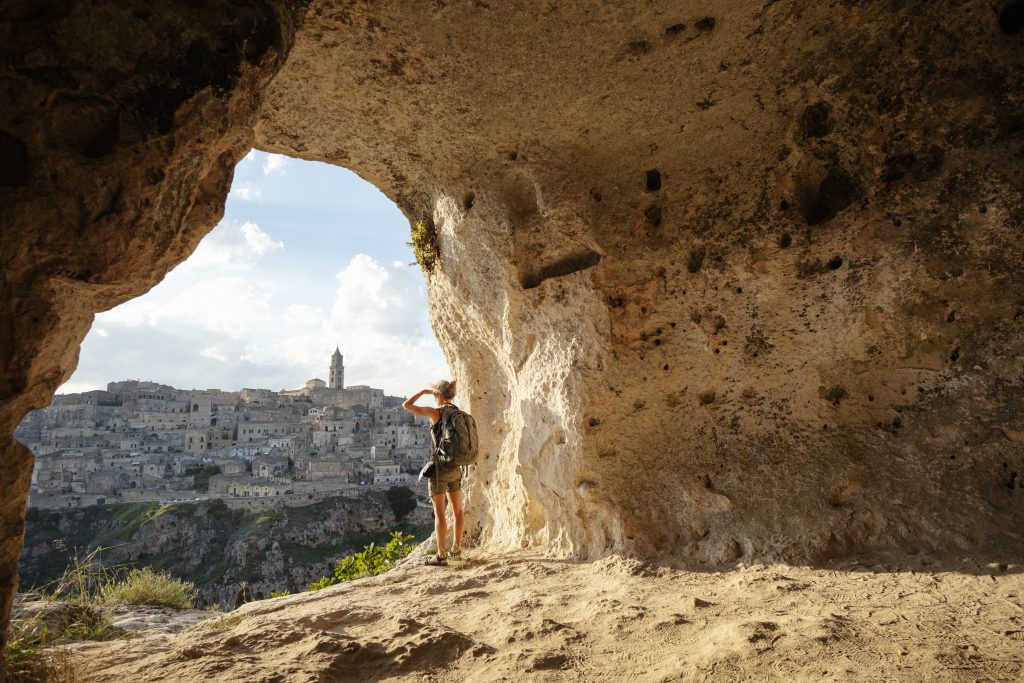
pixel 720 280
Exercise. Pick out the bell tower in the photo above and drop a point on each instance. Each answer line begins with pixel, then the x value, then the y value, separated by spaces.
pixel 337 379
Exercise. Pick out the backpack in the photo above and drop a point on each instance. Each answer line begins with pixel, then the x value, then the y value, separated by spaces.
pixel 457 444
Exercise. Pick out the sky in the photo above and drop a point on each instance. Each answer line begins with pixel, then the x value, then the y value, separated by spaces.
pixel 308 256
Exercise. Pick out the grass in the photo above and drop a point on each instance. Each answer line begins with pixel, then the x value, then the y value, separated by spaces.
pixel 69 613
pixel 147 587
pixel 28 662
pixel 77 606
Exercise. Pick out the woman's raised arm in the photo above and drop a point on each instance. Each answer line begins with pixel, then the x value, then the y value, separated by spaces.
pixel 410 404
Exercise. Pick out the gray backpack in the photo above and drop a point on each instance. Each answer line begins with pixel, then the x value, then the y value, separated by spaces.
pixel 457 445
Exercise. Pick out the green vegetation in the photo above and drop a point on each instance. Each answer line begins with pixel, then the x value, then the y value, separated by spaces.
pixel 324 582
pixel 77 606
pixel 27 661
pixel 373 560
pixel 280 594
pixel 424 244
pixel 403 501
pixel 211 528
pixel 147 587
pixel 70 611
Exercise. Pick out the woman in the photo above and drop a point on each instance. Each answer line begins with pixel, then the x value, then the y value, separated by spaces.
pixel 441 482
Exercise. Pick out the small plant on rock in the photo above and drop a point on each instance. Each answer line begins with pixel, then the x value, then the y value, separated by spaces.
pixel 372 560
pixel 424 244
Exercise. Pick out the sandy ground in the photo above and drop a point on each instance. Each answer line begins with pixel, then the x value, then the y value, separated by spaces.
pixel 524 617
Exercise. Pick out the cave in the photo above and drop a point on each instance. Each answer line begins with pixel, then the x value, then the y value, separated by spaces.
pixel 839 369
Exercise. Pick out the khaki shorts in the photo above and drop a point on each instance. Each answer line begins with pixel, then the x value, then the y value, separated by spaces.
pixel 448 480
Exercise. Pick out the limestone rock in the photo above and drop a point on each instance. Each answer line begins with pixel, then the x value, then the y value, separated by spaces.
pixel 733 283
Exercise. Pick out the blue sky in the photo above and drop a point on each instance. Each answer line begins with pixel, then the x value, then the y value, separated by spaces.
pixel 308 256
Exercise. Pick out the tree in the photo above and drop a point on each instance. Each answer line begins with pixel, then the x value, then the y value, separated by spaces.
pixel 403 501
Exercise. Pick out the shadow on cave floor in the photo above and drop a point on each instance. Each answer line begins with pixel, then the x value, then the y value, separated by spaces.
pixel 874 561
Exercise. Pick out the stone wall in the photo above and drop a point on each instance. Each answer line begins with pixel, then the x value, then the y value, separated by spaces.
pixel 719 280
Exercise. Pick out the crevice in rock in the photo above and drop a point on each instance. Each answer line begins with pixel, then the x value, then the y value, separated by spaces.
pixel 560 268
pixel 1011 18
pixel 13 161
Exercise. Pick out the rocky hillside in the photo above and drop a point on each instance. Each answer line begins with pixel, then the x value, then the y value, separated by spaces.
pixel 223 551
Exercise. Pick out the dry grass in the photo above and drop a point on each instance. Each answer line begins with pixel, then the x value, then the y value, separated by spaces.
pixel 76 607
pixel 147 587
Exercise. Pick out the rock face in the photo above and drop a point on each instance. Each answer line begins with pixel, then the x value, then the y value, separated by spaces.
pixel 717 282
pixel 232 556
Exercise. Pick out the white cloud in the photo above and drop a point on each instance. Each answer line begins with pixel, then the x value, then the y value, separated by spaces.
pixel 78 387
pixel 232 246
pixel 302 314
pixel 275 163
pixel 231 306
pixel 239 314
pixel 379 320
pixel 215 352
pixel 247 192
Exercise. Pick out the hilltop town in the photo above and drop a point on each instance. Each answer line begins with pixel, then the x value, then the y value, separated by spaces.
pixel 143 441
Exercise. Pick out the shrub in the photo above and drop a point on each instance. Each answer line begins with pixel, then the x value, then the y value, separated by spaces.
pixel 324 582
pixel 424 244
pixel 372 560
pixel 147 587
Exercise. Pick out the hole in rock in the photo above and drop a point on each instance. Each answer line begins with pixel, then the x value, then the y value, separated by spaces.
pixel 815 122
pixel 696 259
pixel 705 24
pixel 13 161
pixel 653 180
pixel 562 267
pixel 675 29
pixel 216 400
pixel 467 201
pixel 652 214
pixel 1011 18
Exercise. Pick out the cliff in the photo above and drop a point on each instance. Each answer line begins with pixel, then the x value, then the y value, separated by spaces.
pixel 216 548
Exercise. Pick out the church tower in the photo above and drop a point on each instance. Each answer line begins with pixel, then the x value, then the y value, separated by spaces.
pixel 337 370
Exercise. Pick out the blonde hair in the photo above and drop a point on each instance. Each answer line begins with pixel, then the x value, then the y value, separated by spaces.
pixel 445 389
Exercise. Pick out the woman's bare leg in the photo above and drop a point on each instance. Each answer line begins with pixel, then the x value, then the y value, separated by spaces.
pixel 455 498
pixel 440 523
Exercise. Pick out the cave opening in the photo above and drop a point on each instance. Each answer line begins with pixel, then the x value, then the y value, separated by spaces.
pixel 308 257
